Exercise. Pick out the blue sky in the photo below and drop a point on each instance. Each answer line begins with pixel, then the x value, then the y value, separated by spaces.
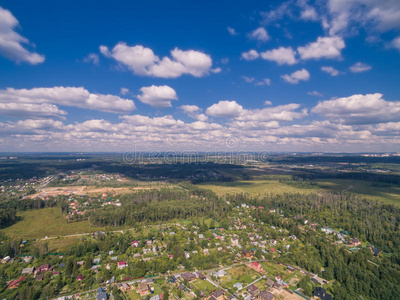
pixel 174 75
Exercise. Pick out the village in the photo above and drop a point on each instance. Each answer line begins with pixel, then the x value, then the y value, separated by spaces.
pixel 199 260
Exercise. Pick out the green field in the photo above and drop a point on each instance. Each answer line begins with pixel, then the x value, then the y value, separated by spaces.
pixel 243 274
pixel 61 244
pixel 203 285
pixel 389 194
pixel 133 295
pixel 256 187
pixel 44 222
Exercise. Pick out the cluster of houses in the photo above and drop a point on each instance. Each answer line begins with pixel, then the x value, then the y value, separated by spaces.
pixel 253 292
pixel 344 238
pixel 240 245
pixel 82 177
pixel 82 205
pixel 250 292
pixel 143 288
pixel 342 235
pixel 20 185
pixel 38 274
pixel 221 294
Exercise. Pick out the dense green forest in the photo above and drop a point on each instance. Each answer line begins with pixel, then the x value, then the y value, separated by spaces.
pixel 7 217
pixel 160 205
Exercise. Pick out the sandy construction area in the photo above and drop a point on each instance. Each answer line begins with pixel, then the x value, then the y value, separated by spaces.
pixel 110 190
pixel 57 191
pixel 85 190
pixel 285 295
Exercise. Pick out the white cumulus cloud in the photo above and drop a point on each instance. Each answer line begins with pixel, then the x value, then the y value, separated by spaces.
pixel 250 55
pixel 31 110
pixel 396 43
pixel 297 76
pixel 330 70
pixel 232 31
pixel 280 55
pixel 92 58
pixel 142 61
pixel 277 113
pixel 360 109
pixel 11 43
pixel 157 96
pixel 225 108
pixel 259 34
pixel 67 96
pixel 378 16
pixel 308 13
pixel 193 111
pixel 360 67
pixel 315 93
pixel 165 121
pixel 124 91
pixel 325 47
pixel 265 81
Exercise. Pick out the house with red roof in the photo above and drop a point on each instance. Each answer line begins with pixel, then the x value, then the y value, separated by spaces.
pixel 14 284
pixel 122 264
pixel 55 274
pixel 42 269
pixel 256 266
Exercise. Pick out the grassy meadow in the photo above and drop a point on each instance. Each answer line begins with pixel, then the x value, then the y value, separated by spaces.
pixel 36 224
pixel 256 187
pixel 389 194
pixel 60 244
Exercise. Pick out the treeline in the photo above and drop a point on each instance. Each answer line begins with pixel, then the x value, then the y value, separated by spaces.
pixel 27 204
pixel 7 217
pixel 365 176
pixel 160 205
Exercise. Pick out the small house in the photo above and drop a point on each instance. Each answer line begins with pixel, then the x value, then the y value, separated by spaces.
pixel 265 295
pixel 122 264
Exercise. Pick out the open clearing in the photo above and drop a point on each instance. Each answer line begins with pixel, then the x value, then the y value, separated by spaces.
pixel 243 274
pixel 285 295
pixel 204 285
pixel 133 295
pixel 60 245
pixel 44 222
pixel 257 187
pixel 109 190
pixel 389 194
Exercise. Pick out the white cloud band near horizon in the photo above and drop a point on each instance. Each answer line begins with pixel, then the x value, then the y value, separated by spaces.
pixel 352 120
pixel 42 101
